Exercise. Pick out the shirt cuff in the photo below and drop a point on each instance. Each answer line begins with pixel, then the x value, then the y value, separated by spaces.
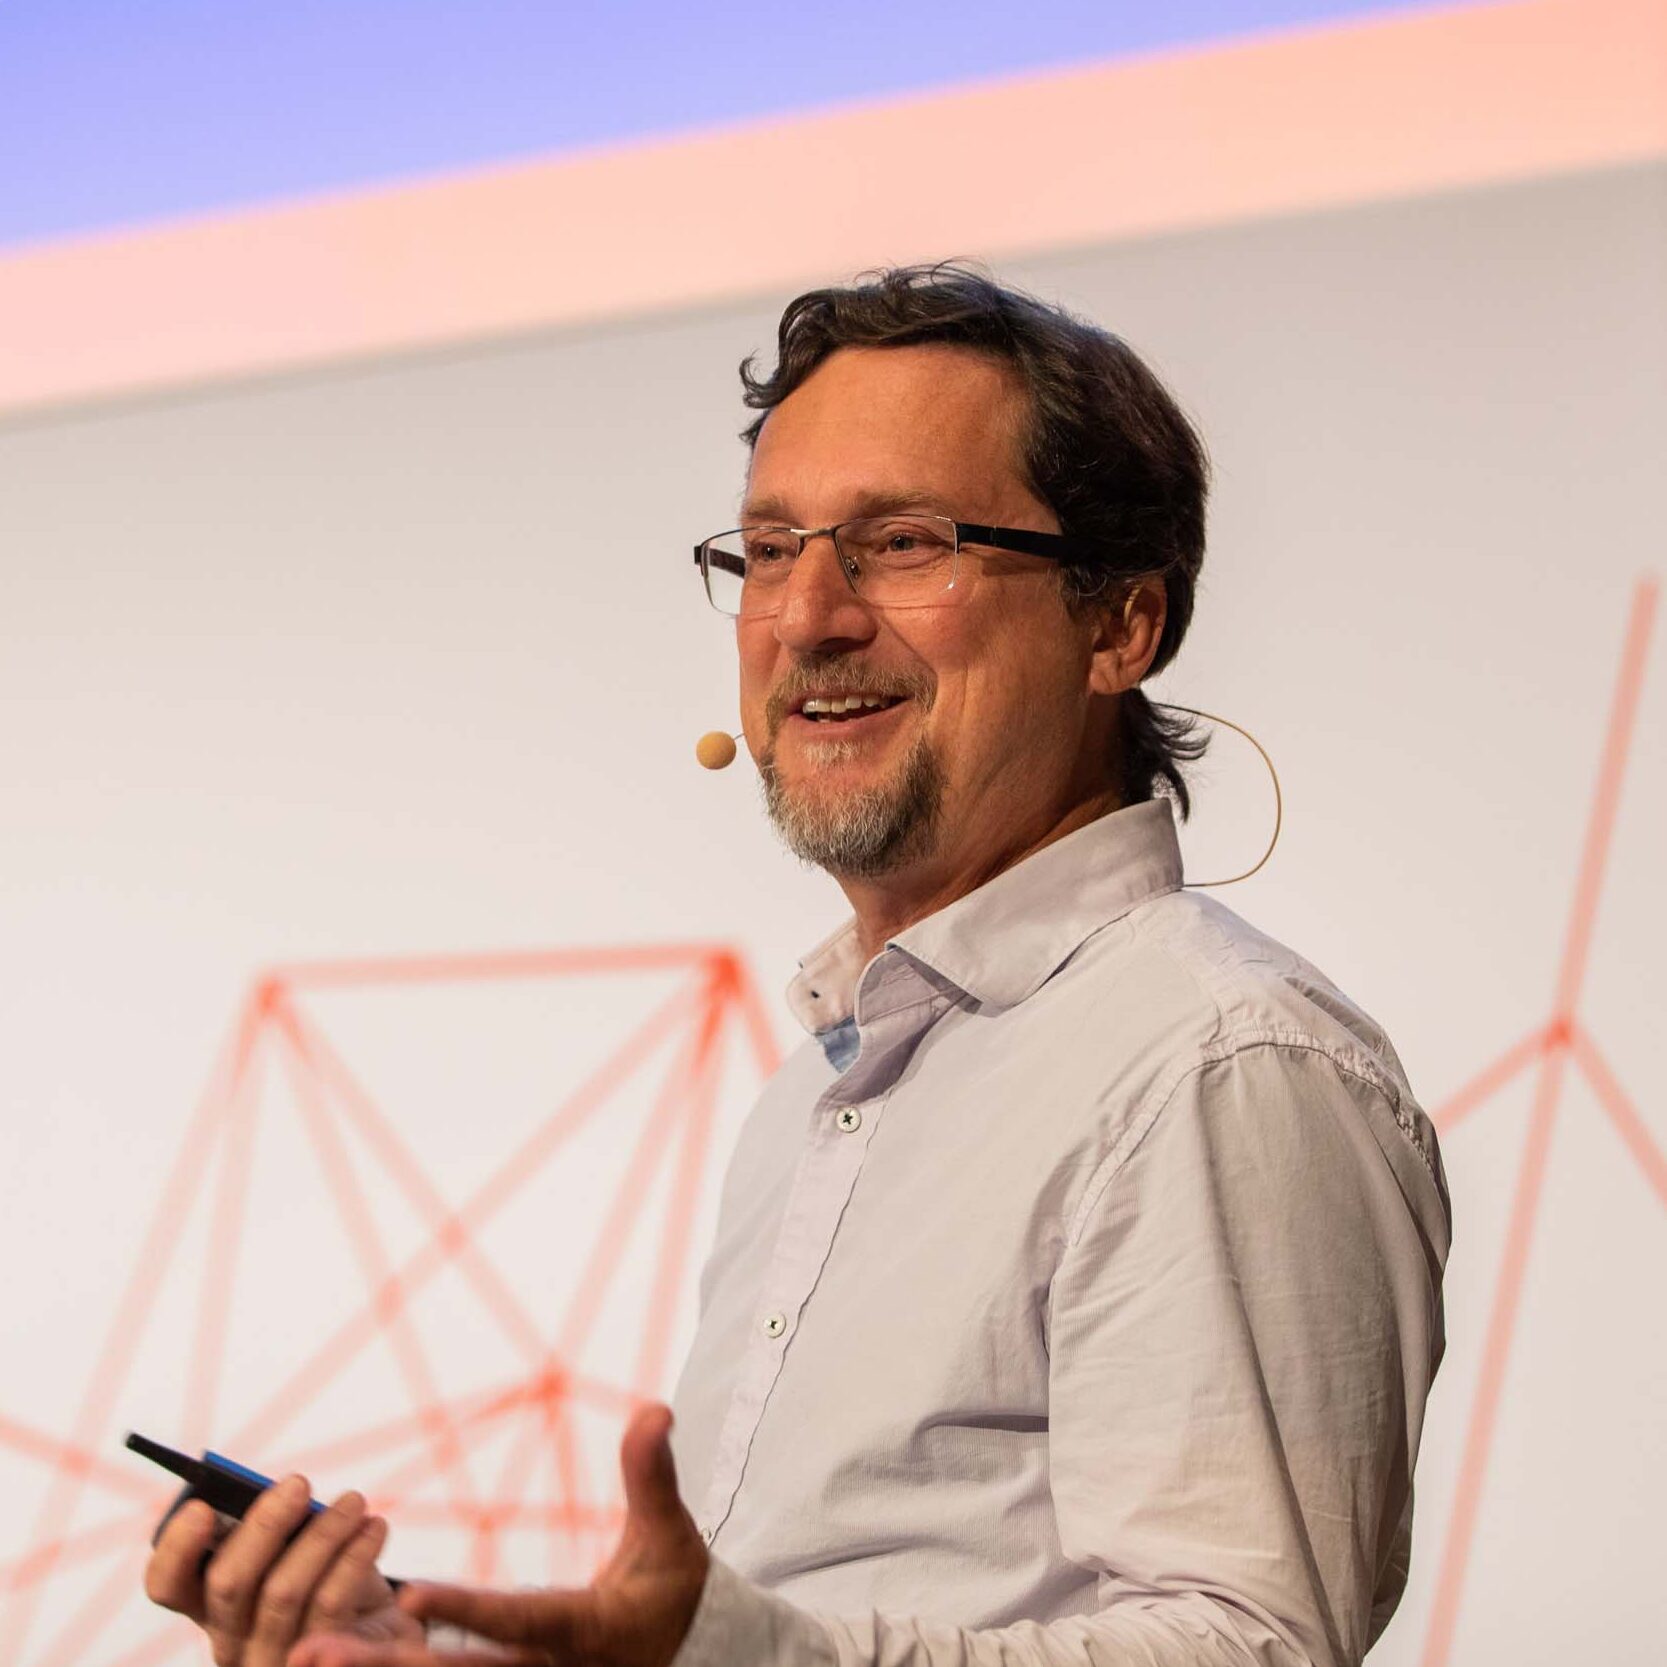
pixel 739 1623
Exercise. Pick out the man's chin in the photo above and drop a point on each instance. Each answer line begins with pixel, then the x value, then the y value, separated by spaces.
pixel 828 816
pixel 830 781
pixel 832 770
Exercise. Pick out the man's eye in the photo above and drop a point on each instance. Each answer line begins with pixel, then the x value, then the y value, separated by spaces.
pixel 765 551
pixel 907 538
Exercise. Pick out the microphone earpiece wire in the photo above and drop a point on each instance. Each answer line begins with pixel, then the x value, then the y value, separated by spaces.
pixel 1278 796
pixel 724 755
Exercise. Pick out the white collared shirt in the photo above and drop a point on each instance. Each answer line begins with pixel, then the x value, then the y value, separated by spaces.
pixel 1087 1315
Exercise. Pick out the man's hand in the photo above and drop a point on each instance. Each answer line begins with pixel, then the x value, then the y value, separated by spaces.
pixel 635 1613
pixel 258 1595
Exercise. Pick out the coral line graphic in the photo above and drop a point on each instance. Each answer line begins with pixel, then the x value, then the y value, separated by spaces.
pixel 431 1452
pixel 1549 1048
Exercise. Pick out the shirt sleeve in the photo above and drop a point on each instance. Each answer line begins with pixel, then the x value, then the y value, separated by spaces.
pixel 1243 1329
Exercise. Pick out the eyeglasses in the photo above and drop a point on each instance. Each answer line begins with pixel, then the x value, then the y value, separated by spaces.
pixel 890 561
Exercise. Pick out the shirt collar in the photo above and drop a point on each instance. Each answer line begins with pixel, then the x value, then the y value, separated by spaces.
pixel 1003 941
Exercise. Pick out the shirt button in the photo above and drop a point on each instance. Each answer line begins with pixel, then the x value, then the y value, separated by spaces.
pixel 708 1535
pixel 775 1325
pixel 850 1119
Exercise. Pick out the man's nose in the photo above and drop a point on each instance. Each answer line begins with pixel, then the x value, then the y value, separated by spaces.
pixel 821 609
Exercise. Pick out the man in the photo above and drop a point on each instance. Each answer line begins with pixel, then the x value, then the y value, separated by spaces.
pixel 1076 1290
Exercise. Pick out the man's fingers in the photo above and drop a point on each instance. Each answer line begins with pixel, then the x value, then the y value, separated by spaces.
pixel 239 1566
pixel 337 1651
pixel 286 1592
pixel 648 1469
pixel 348 1586
pixel 174 1574
pixel 554 1621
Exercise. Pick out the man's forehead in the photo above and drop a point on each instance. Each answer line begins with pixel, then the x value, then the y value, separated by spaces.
pixel 886 429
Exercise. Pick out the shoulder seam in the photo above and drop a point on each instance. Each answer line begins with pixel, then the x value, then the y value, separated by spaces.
pixel 1361 1068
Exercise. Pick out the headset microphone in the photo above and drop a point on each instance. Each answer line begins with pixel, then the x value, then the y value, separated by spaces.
pixel 716 750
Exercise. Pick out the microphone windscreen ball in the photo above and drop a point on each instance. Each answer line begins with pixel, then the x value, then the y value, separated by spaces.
pixel 715 749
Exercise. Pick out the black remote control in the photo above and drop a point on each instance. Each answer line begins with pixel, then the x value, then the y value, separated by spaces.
pixel 229 1487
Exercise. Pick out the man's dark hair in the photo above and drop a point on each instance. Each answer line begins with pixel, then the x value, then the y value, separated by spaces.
pixel 1106 448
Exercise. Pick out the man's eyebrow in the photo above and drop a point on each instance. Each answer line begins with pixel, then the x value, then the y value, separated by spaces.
pixel 759 510
pixel 774 511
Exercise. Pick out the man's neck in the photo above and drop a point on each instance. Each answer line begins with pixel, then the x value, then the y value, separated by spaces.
pixel 891 903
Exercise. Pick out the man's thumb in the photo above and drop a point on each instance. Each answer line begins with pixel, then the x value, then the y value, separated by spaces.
pixel 648 1469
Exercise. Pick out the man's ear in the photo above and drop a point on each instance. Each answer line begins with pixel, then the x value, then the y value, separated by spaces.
pixel 1127 632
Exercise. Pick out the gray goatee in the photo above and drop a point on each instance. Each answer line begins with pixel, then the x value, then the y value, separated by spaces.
pixel 865 834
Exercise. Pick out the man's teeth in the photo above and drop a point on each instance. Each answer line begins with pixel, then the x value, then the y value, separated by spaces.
pixel 845 703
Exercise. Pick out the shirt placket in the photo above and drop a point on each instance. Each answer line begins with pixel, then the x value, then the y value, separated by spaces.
pixel 842 1124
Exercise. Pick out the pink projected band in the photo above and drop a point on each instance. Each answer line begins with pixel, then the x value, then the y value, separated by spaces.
pixel 1398 106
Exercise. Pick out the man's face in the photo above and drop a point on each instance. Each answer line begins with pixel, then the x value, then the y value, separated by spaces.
pixel 985 749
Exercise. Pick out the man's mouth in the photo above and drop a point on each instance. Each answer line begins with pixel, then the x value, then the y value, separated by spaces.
pixel 839 709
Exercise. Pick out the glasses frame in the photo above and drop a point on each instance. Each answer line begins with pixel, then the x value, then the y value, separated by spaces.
pixel 1060 547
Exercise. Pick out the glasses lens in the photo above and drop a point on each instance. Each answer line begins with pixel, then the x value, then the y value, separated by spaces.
pixel 746 569
pixel 725 566
pixel 901 561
